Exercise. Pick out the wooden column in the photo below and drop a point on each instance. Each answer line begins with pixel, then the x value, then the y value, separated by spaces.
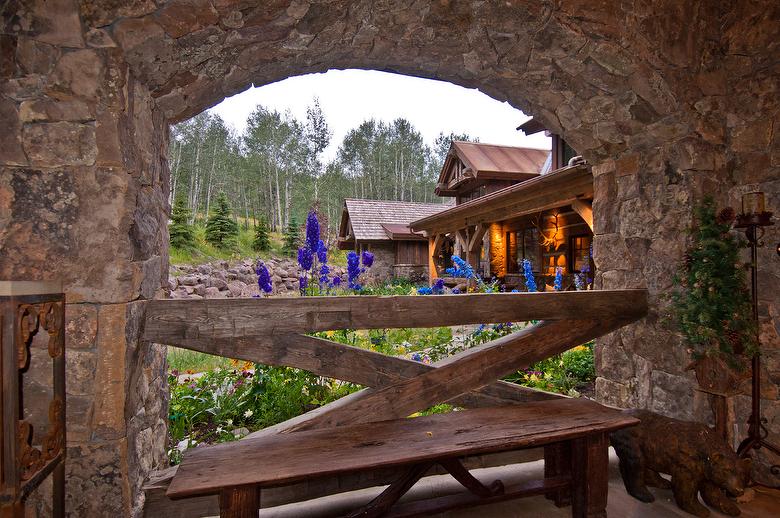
pixel 239 502
pixel 434 244
pixel 590 476
pixel 475 245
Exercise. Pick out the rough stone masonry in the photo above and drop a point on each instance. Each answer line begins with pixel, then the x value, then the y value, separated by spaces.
pixel 668 100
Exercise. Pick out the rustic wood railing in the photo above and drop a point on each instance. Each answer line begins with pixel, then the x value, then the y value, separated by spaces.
pixel 273 332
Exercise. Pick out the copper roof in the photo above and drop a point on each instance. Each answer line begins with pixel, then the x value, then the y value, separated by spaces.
pixel 500 159
pixel 401 231
pixel 368 216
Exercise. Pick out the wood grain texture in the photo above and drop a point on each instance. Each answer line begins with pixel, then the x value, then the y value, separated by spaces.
pixel 347 363
pixel 463 372
pixel 287 458
pixel 171 321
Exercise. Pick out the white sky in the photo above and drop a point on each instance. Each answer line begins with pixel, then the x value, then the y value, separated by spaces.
pixel 349 97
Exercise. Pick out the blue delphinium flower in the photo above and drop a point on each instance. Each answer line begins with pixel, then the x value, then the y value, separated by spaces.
pixel 579 282
pixel 263 277
pixel 322 252
pixel 455 291
pixel 367 258
pixel 303 282
pixel 305 258
pixel 438 287
pixel 312 232
pixel 425 290
pixel 336 282
pixel 324 271
pixel 530 282
pixel 462 268
pixel 353 270
pixel 558 283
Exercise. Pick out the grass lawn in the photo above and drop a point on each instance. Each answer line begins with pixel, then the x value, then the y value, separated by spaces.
pixel 186 361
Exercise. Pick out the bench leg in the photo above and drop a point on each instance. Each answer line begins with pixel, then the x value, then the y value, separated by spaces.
pixel 590 476
pixel 557 463
pixel 239 502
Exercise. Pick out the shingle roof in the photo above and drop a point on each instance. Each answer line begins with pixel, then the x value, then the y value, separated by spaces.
pixel 368 216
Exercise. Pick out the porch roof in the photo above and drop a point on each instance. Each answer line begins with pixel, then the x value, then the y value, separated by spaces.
pixel 556 189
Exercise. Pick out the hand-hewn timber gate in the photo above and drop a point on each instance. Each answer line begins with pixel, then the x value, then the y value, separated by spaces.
pixel 273 332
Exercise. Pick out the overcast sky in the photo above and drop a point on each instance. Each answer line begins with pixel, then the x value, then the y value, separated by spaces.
pixel 348 97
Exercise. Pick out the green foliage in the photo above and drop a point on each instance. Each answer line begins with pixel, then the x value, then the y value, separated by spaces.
pixel 292 238
pixel 221 230
pixel 711 304
pixel 185 360
pixel 182 235
pixel 208 408
pixel 262 241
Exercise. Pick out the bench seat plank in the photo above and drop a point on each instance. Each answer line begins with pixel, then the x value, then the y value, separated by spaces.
pixel 287 458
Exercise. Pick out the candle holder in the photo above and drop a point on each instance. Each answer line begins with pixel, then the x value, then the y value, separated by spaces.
pixel 752 221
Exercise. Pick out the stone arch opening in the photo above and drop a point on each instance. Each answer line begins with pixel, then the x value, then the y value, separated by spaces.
pixel 664 113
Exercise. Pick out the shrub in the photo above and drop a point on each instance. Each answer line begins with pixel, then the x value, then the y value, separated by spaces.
pixel 262 240
pixel 181 232
pixel 221 230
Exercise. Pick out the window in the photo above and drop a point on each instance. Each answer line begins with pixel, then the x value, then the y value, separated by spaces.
pixel 528 248
pixel 580 252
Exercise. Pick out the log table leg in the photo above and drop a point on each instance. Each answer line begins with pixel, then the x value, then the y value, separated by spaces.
pixel 590 476
pixel 557 463
pixel 239 502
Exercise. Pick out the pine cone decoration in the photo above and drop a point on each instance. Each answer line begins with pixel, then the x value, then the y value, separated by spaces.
pixel 726 216
pixel 688 261
pixel 734 338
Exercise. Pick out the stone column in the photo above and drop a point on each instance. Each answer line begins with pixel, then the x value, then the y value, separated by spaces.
pixel 83 198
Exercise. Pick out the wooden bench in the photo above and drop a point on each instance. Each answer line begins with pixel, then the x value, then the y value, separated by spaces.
pixel 574 433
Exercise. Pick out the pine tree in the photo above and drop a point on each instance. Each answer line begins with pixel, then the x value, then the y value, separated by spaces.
pixel 182 236
pixel 292 238
pixel 262 242
pixel 221 230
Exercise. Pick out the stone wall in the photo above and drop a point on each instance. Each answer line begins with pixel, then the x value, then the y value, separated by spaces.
pixel 384 259
pixel 668 100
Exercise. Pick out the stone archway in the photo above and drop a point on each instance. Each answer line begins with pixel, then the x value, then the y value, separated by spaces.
pixel 667 100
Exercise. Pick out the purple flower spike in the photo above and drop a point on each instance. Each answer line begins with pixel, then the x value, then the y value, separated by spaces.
pixel 322 252
pixel 264 278
pixel 312 232
pixel 305 258
pixel 367 258
pixel 336 282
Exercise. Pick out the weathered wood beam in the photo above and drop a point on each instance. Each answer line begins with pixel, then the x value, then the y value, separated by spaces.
pixel 585 209
pixel 548 193
pixel 434 245
pixel 171 321
pixel 476 239
pixel 465 371
pixel 347 363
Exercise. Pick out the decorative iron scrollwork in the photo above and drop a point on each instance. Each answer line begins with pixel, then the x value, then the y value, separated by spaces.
pixel 31 318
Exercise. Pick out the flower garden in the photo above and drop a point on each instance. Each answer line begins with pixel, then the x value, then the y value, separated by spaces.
pixel 229 401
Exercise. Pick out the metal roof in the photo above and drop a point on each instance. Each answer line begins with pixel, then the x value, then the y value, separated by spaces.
pixel 500 159
pixel 367 217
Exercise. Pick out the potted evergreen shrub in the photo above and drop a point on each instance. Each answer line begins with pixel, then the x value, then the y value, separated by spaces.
pixel 711 304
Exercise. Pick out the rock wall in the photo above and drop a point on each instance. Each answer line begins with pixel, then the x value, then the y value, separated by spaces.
pixel 222 280
pixel 668 100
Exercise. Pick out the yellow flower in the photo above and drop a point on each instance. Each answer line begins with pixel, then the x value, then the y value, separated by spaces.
pixel 533 377
pixel 330 333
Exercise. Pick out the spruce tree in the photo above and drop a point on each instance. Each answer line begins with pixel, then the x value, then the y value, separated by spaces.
pixel 292 238
pixel 182 236
pixel 221 230
pixel 262 242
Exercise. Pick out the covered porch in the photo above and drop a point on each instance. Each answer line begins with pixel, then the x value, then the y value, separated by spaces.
pixel 547 220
